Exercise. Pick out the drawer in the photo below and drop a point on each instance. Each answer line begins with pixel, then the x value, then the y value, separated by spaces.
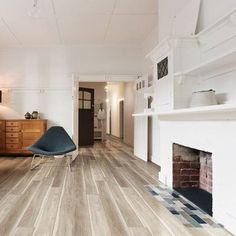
pixel 32 136
pixel 12 146
pixel 27 143
pixel 12 123
pixel 2 143
pixel 12 140
pixel 12 129
pixel 33 126
pixel 12 135
pixel 2 128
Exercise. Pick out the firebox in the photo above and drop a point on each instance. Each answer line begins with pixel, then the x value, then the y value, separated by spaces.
pixel 192 175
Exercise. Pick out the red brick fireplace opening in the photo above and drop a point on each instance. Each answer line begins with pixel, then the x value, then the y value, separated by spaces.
pixel 192 175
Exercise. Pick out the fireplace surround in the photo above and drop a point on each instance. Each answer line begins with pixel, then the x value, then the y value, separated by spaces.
pixel 205 61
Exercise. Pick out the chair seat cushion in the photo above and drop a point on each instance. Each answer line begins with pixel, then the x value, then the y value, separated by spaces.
pixel 42 151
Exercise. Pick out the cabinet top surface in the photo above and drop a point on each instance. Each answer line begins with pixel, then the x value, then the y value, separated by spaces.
pixel 30 120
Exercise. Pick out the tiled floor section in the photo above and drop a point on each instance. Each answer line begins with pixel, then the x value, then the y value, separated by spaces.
pixel 188 213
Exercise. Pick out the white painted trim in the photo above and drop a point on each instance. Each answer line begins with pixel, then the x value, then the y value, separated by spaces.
pixel 214 25
pixel 75 116
pixel 106 78
pixel 214 62
pixel 222 108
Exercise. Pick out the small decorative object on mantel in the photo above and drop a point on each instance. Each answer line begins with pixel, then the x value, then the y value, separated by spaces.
pixel 27 116
pixel 150 100
pixel 35 115
pixel 203 98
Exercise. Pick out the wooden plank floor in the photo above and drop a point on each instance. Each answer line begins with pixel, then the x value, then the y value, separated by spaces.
pixel 104 194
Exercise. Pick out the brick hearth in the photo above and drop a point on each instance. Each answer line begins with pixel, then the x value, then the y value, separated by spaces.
pixel 192 168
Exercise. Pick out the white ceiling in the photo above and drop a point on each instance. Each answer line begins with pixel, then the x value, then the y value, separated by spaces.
pixel 76 22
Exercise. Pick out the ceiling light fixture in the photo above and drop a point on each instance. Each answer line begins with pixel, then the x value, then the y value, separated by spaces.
pixel 106 88
pixel 35 9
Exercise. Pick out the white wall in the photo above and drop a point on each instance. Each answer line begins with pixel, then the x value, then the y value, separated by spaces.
pixel 26 71
pixel 212 10
pixel 115 95
pixel 150 42
pixel 167 10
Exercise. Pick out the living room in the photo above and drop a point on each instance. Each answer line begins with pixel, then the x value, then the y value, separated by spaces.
pixel 164 124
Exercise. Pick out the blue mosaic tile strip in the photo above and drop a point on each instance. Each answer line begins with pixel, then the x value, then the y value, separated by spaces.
pixel 188 213
pixel 198 219
pixel 189 206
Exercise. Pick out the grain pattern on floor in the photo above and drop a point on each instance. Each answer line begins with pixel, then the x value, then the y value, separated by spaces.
pixel 104 194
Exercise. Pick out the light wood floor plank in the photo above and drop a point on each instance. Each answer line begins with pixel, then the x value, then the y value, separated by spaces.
pixel 88 177
pixel 125 208
pixel 112 213
pixel 12 218
pixel 135 231
pixel 45 223
pixel 98 218
pixel 32 212
pixel 23 231
pixel 148 217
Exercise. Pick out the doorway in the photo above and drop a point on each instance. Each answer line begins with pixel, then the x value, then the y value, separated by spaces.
pixel 86 116
pixel 80 81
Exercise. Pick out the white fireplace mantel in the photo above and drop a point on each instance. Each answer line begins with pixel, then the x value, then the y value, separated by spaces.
pixel 205 61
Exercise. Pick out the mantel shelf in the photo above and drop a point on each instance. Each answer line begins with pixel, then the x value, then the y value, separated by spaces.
pixel 146 90
pixel 210 66
pixel 145 114
pixel 223 108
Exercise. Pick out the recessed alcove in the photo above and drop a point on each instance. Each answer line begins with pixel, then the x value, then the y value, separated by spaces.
pixel 192 175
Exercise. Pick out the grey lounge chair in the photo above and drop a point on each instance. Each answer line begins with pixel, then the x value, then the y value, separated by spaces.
pixel 54 142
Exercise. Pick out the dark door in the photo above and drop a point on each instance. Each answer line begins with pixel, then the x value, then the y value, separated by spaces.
pixel 86 116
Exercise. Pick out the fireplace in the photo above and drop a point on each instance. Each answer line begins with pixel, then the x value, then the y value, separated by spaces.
pixel 192 175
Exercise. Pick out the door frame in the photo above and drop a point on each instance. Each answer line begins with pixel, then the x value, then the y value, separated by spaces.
pixel 75 115
pixel 76 79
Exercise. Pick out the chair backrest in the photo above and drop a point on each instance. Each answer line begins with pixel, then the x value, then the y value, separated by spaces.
pixel 55 138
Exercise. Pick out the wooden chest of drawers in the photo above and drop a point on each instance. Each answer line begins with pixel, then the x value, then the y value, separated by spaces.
pixel 13 139
pixel 17 135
